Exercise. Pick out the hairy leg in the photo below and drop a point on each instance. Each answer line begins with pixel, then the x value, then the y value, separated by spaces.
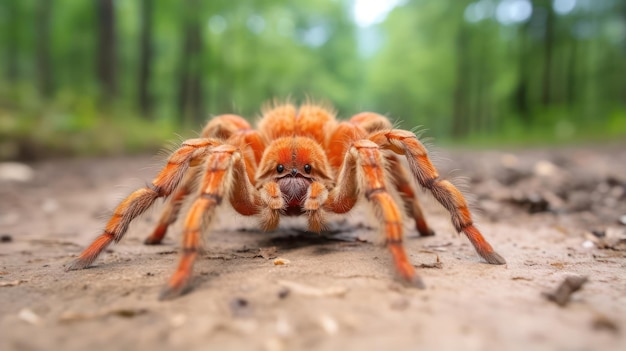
pixel 406 143
pixel 363 168
pixel 400 179
pixel 233 130
pixel 273 202
pixel 224 170
pixel 173 206
pixel 189 154
pixel 315 197
pixel 358 128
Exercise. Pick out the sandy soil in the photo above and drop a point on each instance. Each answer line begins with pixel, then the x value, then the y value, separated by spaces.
pixel 538 208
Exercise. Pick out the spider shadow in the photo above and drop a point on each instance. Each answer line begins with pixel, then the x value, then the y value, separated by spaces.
pixel 334 239
pixel 286 239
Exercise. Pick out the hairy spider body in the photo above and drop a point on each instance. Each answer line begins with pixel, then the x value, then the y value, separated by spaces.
pixel 300 161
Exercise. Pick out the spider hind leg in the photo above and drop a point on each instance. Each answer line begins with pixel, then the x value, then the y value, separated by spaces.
pixel 406 143
pixel 401 181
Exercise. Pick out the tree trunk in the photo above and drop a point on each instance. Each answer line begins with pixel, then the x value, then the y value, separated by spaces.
pixel 145 58
pixel 106 48
pixel 191 73
pixel 44 10
pixel 14 17
pixel 546 95
pixel 571 75
pixel 520 94
pixel 623 64
pixel 459 118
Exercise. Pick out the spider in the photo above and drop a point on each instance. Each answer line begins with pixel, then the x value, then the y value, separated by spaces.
pixel 300 161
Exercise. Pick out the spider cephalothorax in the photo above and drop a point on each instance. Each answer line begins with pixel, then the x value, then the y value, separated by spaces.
pixel 298 162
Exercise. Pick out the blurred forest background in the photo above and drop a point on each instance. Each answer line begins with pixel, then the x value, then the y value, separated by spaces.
pixel 119 76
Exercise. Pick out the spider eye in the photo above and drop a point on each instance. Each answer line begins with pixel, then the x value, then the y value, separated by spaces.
pixel 280 168
pixel 307 168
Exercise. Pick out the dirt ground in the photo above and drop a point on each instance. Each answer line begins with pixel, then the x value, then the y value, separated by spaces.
pixel 552 214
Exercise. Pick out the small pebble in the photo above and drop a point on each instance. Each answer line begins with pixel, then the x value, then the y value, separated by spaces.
pixel 545 168
pixel 6 238
pixel 240 307
pixel 329 324
pixel 588 244
pixel 283 292
pixel 17 172
pixel 622 219
pixel 29 316
pixel 598 233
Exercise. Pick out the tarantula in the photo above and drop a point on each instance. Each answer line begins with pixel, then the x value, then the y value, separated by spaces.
pixel 300 161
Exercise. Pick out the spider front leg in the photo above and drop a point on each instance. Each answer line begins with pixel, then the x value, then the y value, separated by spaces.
pixel 225 177
pixel 363 171
pixel 405 143
pixel 233 130
pixel 189 154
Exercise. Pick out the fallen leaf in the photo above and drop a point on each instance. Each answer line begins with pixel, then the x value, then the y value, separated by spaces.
pixel 521 278
pixel 12 283
pixel 68 317
pixel 437 265
pixel 602 322
pixel 558 265
pixel 127 312
pixel 281 261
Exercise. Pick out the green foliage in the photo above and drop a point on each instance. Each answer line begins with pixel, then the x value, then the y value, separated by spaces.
pixel 78 128
pixel 464 75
